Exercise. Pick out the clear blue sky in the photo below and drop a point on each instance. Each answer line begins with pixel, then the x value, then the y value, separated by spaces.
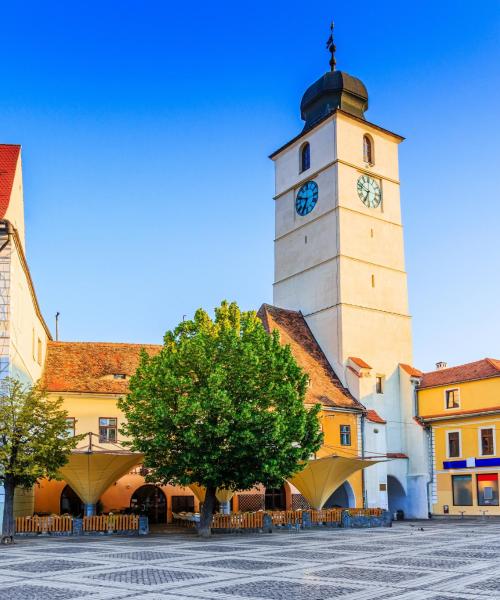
pixel 146 128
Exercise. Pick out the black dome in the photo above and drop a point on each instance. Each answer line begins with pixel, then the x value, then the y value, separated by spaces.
pixel 335 89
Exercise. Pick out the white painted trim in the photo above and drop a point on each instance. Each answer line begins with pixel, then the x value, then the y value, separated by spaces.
pixel 459 431
pixel 480 446
pixel 450 389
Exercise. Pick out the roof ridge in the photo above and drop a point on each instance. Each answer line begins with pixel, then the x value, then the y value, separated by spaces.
pixel 66 343
pixel 493 362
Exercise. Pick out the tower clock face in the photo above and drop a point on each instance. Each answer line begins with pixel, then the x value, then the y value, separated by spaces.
pixel 306 198
pixel 369 191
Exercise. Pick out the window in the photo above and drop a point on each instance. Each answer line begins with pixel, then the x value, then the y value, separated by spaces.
pixel 39 356
pixel 379 384
pixel 182 504
pixel 305 157
pixel 368 150
pixel 345 435
pixel 70 426
pixel 487 437
pixel 462 490
pixel 487 489
pixel 108 429
pixel 452 398
pixel 119 376
pixel 453 444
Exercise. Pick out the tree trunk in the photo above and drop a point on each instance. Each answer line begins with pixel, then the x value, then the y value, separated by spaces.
pixel 8 528
pixel 207 512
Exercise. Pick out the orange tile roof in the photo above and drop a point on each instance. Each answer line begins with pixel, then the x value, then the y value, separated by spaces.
pixel 480 369
pixel 374 417
pixel 325 387
pixel 9 155
pixel 90 366
pixel 411 370
pixel 360 362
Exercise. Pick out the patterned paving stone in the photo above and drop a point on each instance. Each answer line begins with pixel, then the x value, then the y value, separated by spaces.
pixel 467 554
pixel 215 548
pixel 37 592
pixel 284 590
pixel 242 564
pixel 309 555
pixel 148 576
pixel 363 575
pixel 144 555
pixel 492 585
pixel 423 563
pixel 67 549
pixel 47 566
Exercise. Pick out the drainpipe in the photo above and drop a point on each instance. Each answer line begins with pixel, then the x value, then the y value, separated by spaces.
pixel 363 484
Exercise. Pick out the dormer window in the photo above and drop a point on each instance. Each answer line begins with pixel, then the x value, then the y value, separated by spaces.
pixel 368 150
pixel 119 376
pixel 305 157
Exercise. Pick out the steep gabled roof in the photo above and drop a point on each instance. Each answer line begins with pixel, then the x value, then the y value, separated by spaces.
pixel 374 417
pixel 9 155
pixel 480 369
pixel 359 362
pixel 325 387
pixel 412 372
pixel 90 367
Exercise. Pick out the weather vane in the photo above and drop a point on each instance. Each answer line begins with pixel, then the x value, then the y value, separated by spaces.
pixel 330 46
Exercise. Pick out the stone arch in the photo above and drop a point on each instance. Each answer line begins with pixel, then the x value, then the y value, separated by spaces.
pixel 150 500
pixel 70 502
pixel 396 495
pixel 342 497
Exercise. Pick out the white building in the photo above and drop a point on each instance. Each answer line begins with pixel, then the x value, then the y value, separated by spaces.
pixel 23 332
pixel 339 259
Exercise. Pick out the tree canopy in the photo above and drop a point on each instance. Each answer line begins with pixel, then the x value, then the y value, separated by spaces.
pixel 34 442
pixel 221 405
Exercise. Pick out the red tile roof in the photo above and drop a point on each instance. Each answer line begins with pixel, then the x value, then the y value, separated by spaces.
pixel 90 366
pixel 412 372
pixel 360 362
pixel 396 455
pixel 480 369
pixel 374 417
pixel 9 155
pixel 325 387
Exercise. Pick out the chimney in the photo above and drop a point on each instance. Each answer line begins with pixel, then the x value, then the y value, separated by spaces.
pixel 441 365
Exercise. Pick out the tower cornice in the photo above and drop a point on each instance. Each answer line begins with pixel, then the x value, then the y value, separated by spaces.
pixel 332 116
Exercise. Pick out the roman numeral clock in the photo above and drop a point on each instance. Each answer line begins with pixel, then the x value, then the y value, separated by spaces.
pixel 369 191
pixel 306 198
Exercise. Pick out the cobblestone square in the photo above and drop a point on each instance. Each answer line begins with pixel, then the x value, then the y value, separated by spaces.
pixel 448 560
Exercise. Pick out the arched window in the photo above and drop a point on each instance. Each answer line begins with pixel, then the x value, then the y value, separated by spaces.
pixel 368 150
pixel 305 157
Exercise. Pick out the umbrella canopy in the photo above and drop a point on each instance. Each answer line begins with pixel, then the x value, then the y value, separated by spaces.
pixel 322 476
pixel 91 469
pixel 222 494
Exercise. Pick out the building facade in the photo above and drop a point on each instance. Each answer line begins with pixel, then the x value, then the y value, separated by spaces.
pixel 460 408
pixel 91 377
pixel 339 260
pixel 23 331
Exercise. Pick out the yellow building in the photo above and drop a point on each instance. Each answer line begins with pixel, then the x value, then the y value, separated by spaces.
pixel 91 377
pixel 460 406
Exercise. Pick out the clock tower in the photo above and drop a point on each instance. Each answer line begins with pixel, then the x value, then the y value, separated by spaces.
pixel 339 259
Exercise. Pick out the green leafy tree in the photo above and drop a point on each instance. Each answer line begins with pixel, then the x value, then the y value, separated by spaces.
pixel 222 406
pixel 34 442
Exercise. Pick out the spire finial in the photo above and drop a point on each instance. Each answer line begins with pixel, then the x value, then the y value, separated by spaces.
pixel 331 48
